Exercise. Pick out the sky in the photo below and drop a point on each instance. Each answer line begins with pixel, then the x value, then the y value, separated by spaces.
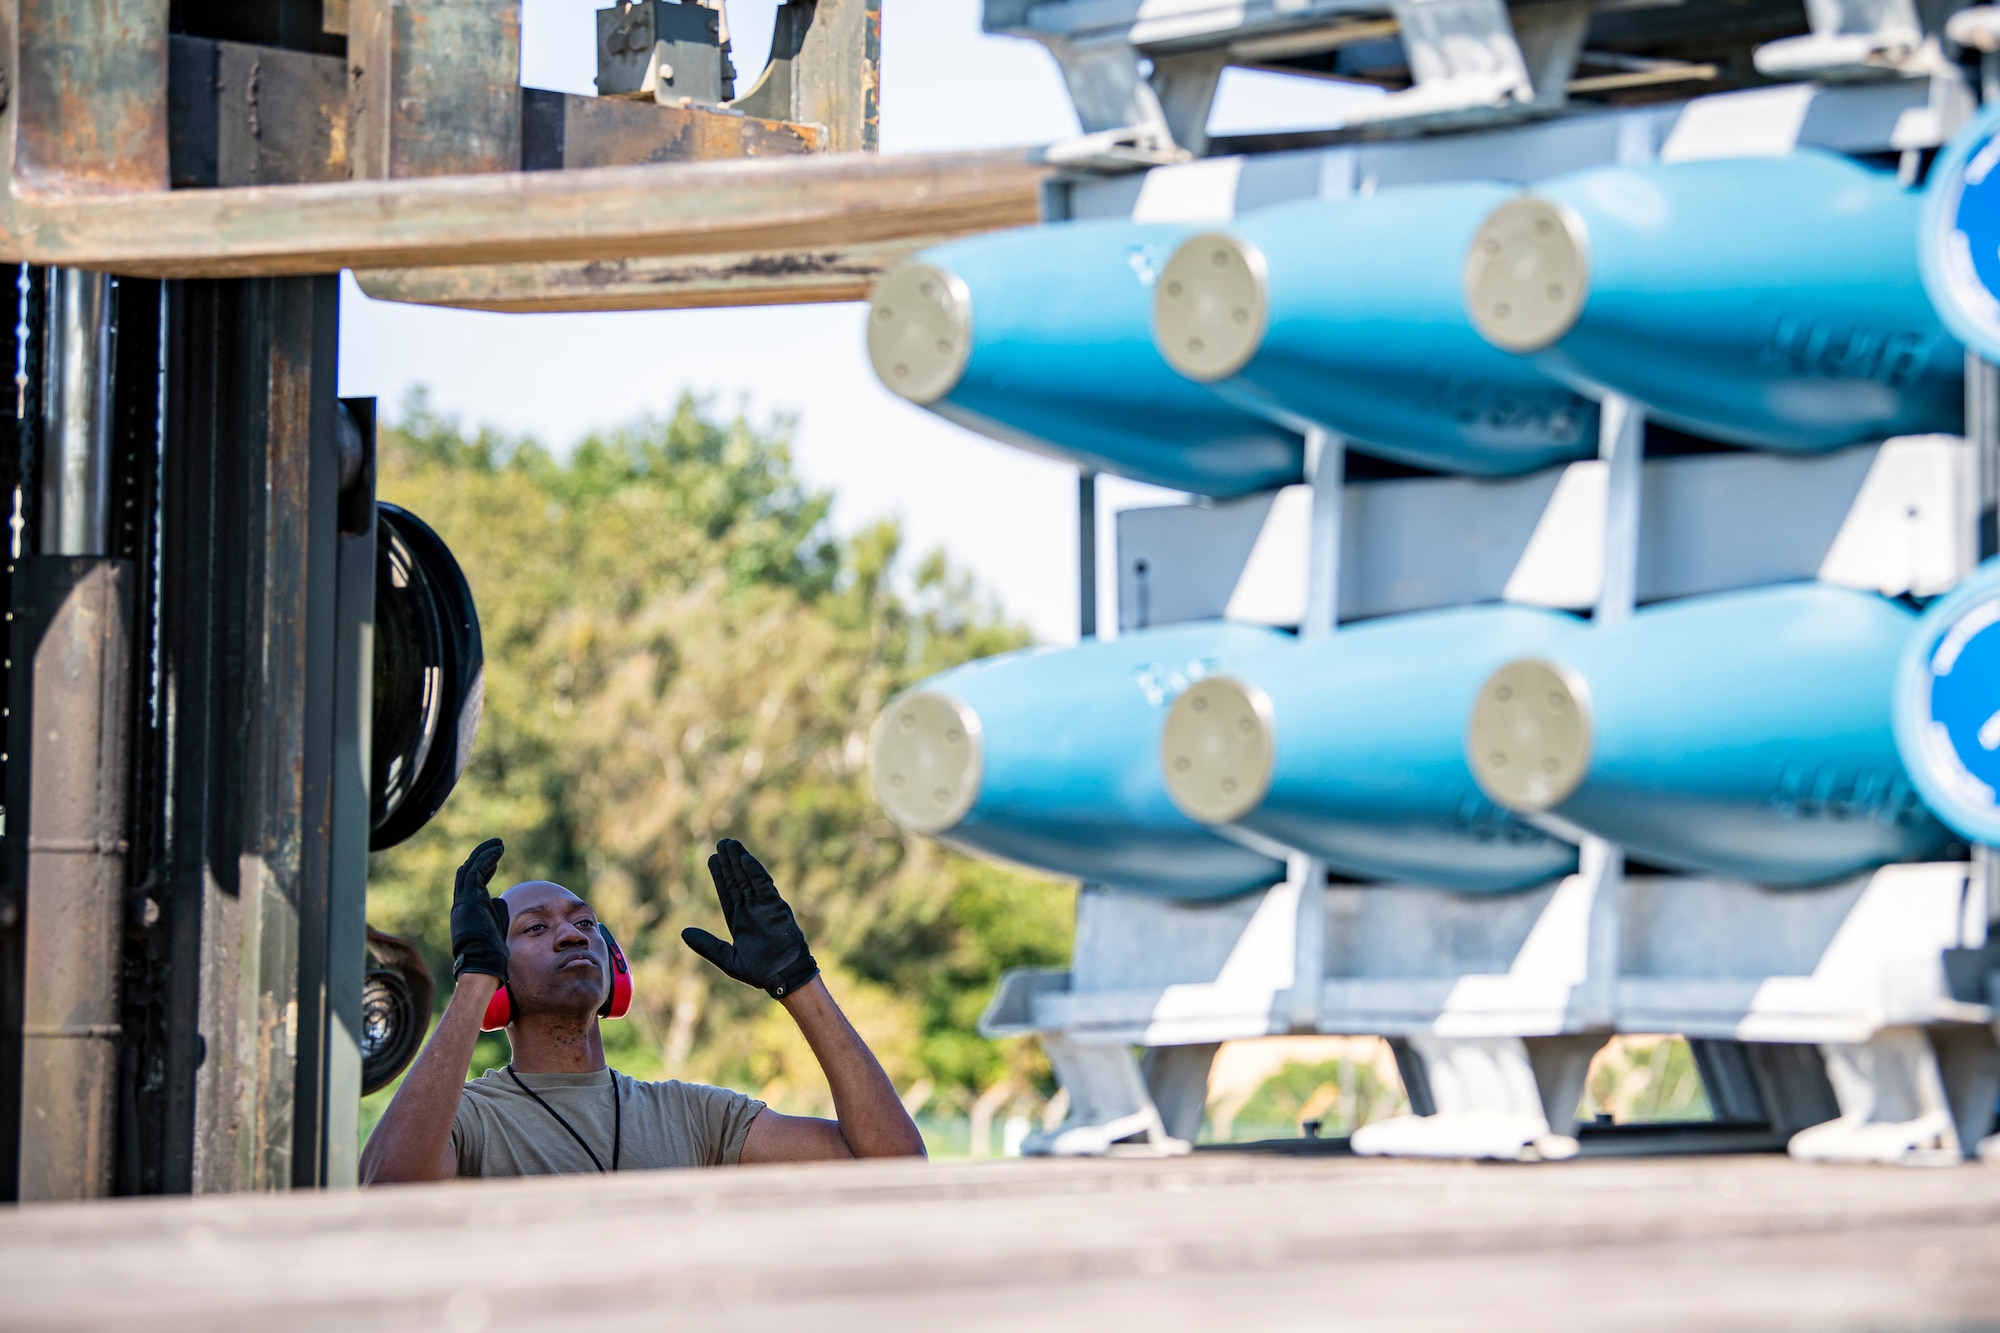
pixel 1007 516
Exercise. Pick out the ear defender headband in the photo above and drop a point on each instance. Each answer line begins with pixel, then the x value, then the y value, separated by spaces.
pixel 500 1009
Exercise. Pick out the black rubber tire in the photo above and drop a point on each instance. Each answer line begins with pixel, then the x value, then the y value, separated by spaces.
pixel 392 1030
pixel 430 676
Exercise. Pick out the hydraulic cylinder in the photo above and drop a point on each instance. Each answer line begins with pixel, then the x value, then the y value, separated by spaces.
pixel 1049 758
pixel 1352 748
pixel 1746 734
pixel 1350 315
pixel 1771 302
pixel 72 610
pixel 1042 338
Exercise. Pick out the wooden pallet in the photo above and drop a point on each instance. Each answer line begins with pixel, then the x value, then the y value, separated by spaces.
pixel 1212 1241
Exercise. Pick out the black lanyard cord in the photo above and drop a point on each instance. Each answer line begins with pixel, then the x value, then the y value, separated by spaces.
pixel 617 1118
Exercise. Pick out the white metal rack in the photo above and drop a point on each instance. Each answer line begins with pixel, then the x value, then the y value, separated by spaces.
pixel 1856 1017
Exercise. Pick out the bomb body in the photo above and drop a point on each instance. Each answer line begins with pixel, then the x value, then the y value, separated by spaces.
pixel 1042 338
pixel 1350 314
pixel 1771 302
pixel 1351 748
pixel 1049 758
pixel 1744 734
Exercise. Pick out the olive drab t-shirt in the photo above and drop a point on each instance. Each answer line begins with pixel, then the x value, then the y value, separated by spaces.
pixel 502 1131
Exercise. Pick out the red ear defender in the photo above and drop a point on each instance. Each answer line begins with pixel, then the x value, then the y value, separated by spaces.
pixel 500 1009
pixel 619 1002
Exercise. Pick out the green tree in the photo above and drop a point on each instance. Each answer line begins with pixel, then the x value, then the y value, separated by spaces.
pixel 679 650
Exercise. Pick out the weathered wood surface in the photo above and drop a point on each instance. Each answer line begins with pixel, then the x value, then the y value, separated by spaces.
pixel 795 277
pixel 701 208
pixel 1215 1241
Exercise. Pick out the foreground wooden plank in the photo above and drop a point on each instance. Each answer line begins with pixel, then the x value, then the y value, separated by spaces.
pixel 1214 1241
pixel 782 277
pixel 606 213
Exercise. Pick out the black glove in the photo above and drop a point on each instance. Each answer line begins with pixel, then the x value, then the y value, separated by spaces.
pixel 770 950
pixel 479 920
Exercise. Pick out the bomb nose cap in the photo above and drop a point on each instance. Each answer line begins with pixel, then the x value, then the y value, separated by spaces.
pixel 928 761
pixel 1527 274
pixel 1529 742
pixel 1211 307
pixel 1217 750
pixel 920 331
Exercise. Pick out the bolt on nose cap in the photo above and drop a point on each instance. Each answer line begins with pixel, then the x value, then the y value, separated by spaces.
pixel 927 760
pixel 1217 749
pixel 1211 307
pixel 920 331
pixel 1527 274
pixel 1530 737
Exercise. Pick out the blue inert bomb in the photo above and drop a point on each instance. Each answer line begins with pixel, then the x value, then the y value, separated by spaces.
pixel 1958 235
pixel 1352 748
pixel 1042 338
pixel 1948 706
pixel 1350 314
pixel 1770 302
pixel 1049 758
pixel 1746 734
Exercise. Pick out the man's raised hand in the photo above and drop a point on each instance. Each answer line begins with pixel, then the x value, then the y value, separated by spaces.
pixel 769 950
pixel 479 920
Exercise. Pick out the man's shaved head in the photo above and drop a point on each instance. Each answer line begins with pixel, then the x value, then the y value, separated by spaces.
pixel 536 893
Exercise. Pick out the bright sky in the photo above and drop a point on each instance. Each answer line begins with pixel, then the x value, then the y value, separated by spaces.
pixel 1008 516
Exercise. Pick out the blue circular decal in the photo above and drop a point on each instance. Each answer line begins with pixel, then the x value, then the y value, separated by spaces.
pixel 1959 244
pixel 1948 707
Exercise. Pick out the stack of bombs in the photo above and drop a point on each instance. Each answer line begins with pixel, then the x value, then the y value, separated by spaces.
pixel 1469 329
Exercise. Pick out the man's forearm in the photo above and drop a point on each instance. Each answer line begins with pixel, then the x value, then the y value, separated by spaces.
pixel 871 1115
pixel 412 1141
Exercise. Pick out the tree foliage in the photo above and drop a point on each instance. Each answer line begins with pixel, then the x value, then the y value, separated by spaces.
pixel 678 649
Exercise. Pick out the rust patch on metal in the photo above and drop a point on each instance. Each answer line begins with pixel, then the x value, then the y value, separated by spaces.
pixel 91 108
pixel 611 132
pixel 454 88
